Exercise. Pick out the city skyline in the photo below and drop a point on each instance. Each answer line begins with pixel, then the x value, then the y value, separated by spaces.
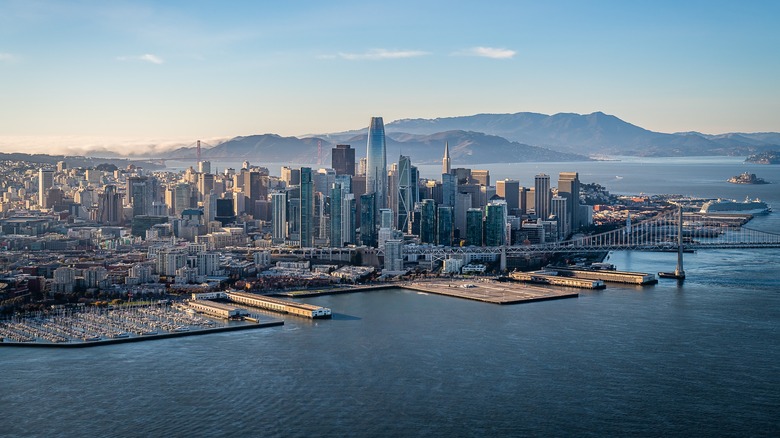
pixel 123 74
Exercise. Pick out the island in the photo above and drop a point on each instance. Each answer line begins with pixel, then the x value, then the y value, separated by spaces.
pixel 769 157
pixel 746 178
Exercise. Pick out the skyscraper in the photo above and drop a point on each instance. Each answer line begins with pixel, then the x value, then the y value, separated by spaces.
pixel 335 216
pixel 509 190
pixel 368 218
pixel 279 216
pixel 348 210
pixel 428 221
pixel 343 159
pixel 474 226
pixel 444 225
pixel 495 223
pixel 446 164
pixel 45 182
pixel 405 196
pixel 307 208
pixel 376 163
pixel 569 188
pixel 542 196
pixel 558 206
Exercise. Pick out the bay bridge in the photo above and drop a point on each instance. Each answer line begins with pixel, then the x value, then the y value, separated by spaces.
pixel 670 231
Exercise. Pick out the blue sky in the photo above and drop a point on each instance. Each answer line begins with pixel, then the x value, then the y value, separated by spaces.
pixel 73 72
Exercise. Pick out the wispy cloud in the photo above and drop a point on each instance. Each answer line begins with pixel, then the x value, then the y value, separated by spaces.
pixel 488 52
pixel 7 57
pixel 148 57
pixel 377 54
pixel 97 146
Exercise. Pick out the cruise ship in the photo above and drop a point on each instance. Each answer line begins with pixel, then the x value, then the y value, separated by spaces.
pixel 727 206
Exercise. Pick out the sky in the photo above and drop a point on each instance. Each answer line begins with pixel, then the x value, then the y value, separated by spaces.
pixel 124 74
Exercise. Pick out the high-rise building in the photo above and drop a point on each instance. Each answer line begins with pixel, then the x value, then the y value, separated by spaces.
pixel 225 211
pixel 446 164
pixel 323 180
pixel 343 159
pixel 394 258
pixel 348 210
pixel 474 226
pixel 448 188
pixel 509 189
pixel 462 205
pixel 558 206
pixel 495 223
pixel 204 166
pixel 110 206
pixel 278 216
pixel 307 208
pixel 407 185
pixel 386 218
pixel 376 164
pixel 182 198
pixel 482 177
pixel 569 188
pixel 542 196
pixel 336 196
pixel 444 225
pixel 292 177
pixel 428 221
pixel 368 220
pixel 45 182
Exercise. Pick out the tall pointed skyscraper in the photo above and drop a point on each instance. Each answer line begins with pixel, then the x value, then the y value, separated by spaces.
pixel 376 162
pixel 446 165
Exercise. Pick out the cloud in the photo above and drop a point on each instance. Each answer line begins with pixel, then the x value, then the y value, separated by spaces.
pixel 94 145
pixel 488 52
pixel 7 57
pixel 378 54
pixel 148 57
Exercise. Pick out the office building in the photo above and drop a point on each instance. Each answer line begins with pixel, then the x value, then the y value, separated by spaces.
pixel 569 188
pixel 481 177
pixel 444 225
pixel 307 208
pixel 495 223
pixel 368 220
pixel 278 217
pixel 446 164
pixel 376 162
pixel 45 182
pixel 542 196
pixel 336 196
pixel 343 159
pixel 474 227
pixel 428 221
pixel 509 189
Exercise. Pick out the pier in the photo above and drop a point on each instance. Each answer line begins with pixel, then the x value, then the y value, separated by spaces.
pixel 491 291
pixel 279 305
pixel 606 275
pixel 552 278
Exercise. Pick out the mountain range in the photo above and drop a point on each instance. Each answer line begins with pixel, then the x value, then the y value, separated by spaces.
pixel 486 138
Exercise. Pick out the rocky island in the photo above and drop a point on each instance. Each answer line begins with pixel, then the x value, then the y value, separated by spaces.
pixel 746 178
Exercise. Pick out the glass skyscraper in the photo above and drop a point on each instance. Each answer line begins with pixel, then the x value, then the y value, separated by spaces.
pixel 376 162
pixel 307 208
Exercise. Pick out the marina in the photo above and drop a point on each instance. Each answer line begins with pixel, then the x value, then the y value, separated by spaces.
pixel 94 326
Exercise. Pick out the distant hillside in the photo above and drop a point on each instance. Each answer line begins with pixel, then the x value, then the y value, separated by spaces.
pixel 465 148
pixel 591 134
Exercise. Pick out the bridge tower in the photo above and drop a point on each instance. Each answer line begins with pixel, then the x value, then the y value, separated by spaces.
pixel 679 272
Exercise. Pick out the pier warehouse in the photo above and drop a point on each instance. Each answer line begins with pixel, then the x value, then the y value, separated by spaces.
pixel 217 309
pixel 268 303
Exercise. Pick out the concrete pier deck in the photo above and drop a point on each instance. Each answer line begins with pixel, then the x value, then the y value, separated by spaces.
pixel 491 291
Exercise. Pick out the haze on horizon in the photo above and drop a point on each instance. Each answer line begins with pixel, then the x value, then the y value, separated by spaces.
pixel 155 74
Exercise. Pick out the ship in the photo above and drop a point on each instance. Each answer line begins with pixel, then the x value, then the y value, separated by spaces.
pixel 727 206
pixel 746 178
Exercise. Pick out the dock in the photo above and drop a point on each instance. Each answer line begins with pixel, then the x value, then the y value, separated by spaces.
pixel 641 278
pixel 490 291
pixel 279 305
pixel 552 278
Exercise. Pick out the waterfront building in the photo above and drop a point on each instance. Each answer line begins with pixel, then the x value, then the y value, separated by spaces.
pixel 278 217
pixel 428 221
pixel 444 225
pixel 474 227
pixel 394 258
pixel 45 182
pixel 307 208
pixel 495 223
pixel 343 159
pixel 542 196
pixel 376 163
pixel 569 188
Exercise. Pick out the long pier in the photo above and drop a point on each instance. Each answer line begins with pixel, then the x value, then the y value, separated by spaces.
pixel 552 278
pixel 606 275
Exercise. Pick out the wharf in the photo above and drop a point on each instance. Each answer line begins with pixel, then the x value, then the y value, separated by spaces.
pixel 552 278
pixel 606 275
pixel 491 291
pixel 477 290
